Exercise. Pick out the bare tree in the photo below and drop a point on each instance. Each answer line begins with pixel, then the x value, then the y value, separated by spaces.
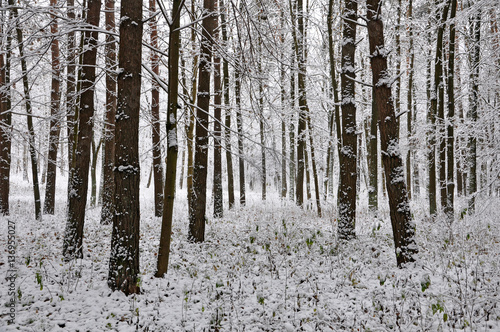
pixel 29 117
pixel 110 114
pixel 348 150
pixel 198 198
pixel 155 115
pixel 124 258
pixel 217 134
pixel 55 117
pixel 403 226
pixel 5 121
pixel 78 179
pixel 172 145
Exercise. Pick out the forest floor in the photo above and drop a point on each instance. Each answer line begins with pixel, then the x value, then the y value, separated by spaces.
pixel 269 266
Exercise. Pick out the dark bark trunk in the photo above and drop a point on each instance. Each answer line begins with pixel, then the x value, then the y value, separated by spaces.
pixel 78 181
pixel 450 141
pixel 335 117
pixel 93 172
pixel 402 224
pixel 217 180
pixel 191 121
pixel 197 209
pixel 71 59
pixel 302 116
pixel 124 257
pixel 239 125
pixel 155 117
pixel 409 106
pixel 436 117
pixel 263 174
pixel 29 118
pixel 172 144
pixel 55 120
pixel 474 102
pixel 291 130
pixel 348 150
pixel 284 187
pixel 5 123
pixel 109 125
pixel 373 160
pixel 227 106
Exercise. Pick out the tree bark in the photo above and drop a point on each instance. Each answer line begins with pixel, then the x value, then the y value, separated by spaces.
pixel 217 179
pixel 172 143
pixel 124 258
pixel 5 123
pixel 348 151
pixel 109 125
pixel 450 140
pixel 335 117
pixel 191 120
pixel 373 160
pixel 71 59
pixel 78 181
pixel 197 217
pixel 474 102
pixel 409 106
pixel 155 116
pixel 29 117
pixel 93 172
pixel 436 115
pixel 291 130
pixel 55 118
pixel 239 125
pixel 402 224
pixel 227 105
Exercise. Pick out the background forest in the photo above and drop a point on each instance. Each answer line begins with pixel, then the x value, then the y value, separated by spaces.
pixel 251 165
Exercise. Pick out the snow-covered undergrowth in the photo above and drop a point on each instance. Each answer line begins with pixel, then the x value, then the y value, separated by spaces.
pixel 269 266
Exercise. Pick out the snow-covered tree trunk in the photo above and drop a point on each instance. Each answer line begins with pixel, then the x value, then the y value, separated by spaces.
pixel 78 179
pixel 402 224
pixel 124 257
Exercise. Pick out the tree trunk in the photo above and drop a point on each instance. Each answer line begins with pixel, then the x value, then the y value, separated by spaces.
pixel 29 117
pixel 284 188
pixel 93 170
pixel 109 125
pixel 450 140
pixel 301 125
pixel 55 120
pixel 474 102
pixel 436 116
pixel 227 105
pixel 314 168
pixel 217 180
pixel 124 257
pixel 307 174
pixel 191 121
pixel 402 224
pixel 197 209
pixel 334 88
pixel 348 150
pixel 78 180
pixel 397 101
pixel 263 175
pixel 239 125
pixel 155 116
pixel 291 130
pixel 5 123
pixel 71 59
pixel 409 106
pixel 373 159
pixel 172 144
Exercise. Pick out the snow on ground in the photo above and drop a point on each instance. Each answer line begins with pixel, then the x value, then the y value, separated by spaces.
pixel 269 266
